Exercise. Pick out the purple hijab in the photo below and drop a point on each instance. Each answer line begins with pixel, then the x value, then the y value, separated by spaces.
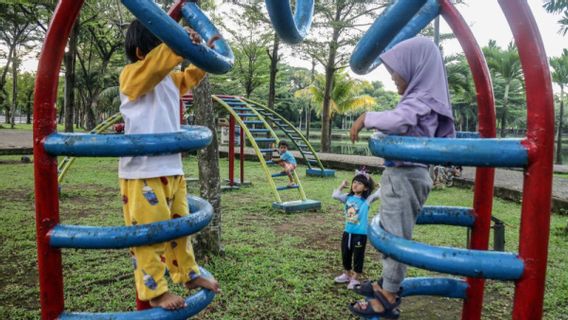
pixel 424 108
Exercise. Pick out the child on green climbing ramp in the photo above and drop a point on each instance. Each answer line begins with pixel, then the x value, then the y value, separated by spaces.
pixel 153 187
pixel 286 161
pixel 354 239
pixel 417 68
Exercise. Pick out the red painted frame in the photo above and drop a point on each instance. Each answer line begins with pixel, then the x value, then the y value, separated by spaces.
pixel 484 177
pixel 537 188
pixel 45 166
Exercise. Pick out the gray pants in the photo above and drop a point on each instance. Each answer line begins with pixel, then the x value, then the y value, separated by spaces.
pixel 403 193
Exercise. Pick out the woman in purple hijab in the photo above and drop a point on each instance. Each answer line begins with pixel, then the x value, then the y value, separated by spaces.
pixel 424 110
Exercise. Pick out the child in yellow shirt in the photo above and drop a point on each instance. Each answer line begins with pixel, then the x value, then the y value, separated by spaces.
pixel 153 187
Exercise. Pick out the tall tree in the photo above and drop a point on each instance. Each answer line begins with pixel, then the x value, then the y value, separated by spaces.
pixel 335 30
pixel 16 33
pixel 208 241
pixel 560 77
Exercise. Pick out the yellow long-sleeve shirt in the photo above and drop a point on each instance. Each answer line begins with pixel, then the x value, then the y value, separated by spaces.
pixel 150 96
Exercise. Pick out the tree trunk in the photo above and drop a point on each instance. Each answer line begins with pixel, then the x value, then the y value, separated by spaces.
pixel 329 72
pixel 504 114
pixel 90 120
pixel 69 61
pixel 325 117
pixel 208 241
pixel 561 115
pixel 15 63
pixel 273 71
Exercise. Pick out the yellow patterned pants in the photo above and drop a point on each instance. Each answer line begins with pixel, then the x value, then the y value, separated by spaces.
pixel 152 200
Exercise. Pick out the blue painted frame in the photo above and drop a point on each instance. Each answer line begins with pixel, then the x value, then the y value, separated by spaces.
pixel 219 60
pixel 113 145
pixel 483 152
pixel 195 304
pixel 470 263
pixel 382 32
pixel 89 237
pixel 291 29
pixel 441 287
pixel 453 216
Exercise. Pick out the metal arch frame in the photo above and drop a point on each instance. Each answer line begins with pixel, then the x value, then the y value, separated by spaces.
pixel 304 139
pixel 484 177
pixel 218 60
pixel 253 143
pixel 381 33
pixel 537 186
pixel 291 29
pixel 45 165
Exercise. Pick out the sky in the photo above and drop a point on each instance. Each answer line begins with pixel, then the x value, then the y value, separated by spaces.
pixel 487 23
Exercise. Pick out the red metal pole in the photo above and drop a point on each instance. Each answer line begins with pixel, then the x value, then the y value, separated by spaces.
pixel 45 166
pixel 231 151
pixel 537 188
pixel 242 156
pixel 484 177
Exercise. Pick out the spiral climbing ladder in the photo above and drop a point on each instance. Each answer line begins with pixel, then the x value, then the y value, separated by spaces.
pixel 527 268
pixel 52 236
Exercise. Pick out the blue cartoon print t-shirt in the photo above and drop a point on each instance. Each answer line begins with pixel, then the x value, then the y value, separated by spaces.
pixel 356 211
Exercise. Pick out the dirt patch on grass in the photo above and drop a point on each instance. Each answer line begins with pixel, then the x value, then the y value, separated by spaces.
pixel 312 227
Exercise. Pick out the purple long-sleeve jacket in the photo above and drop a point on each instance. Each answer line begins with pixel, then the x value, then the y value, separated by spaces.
pixel 424 109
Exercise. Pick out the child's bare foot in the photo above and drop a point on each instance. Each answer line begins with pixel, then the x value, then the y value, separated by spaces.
pixel 168 301
pixel 202 282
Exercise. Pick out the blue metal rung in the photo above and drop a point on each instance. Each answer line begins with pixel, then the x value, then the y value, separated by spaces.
pixel 263 150
pixel 295 186
pixel 470 263
pixel 241 109
pixel 253 122
pixel 107 145
pixel 269 162
pixel 88 237
pixel 453 216
pixel 258 130
pixel 195 304
pixel 265 140
pixel 320 173
pixel 247 115
pixel 482 152
pixel 440 287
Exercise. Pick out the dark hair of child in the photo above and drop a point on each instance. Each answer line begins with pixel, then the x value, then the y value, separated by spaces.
pixel 367 182
pixel 137 36
pixel 283 143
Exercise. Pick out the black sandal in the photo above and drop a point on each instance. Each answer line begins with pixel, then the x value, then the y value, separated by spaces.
pixel 390 309
pixel 366 288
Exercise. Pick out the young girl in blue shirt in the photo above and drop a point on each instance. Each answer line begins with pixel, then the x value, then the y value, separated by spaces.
pixel 354 240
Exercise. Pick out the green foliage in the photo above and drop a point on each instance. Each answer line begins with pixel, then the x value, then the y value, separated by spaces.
pixel 559 6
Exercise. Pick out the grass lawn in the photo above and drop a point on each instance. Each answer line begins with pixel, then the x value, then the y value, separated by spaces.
pixel 276 266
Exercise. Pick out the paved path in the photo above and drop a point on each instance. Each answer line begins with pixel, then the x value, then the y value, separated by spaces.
pixel 508 183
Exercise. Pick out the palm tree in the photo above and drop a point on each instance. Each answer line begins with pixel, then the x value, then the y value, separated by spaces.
pixel 560 77
pixel 345 95
pixel 506 65
pixel 559 6
pixel 463 92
